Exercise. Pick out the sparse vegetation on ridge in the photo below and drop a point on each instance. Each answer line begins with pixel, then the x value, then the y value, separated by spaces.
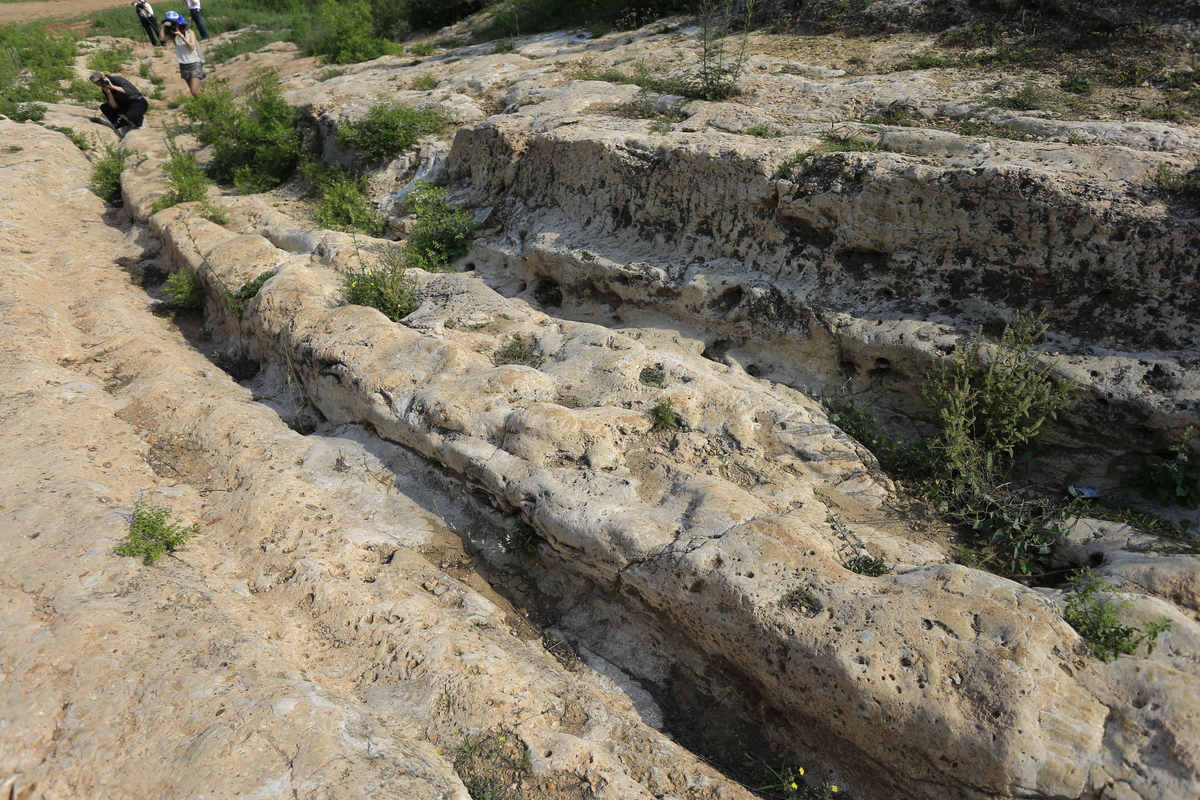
pixel 390 128
pixel 153 533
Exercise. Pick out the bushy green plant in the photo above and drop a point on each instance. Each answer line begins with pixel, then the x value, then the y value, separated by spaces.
pixel 1092 612
pixel 153 533
pixel 342 201
pixel 788 168
pixel 441 233
pixel 254 138
pixel 1077 84
pixel 185 289
pixel 1030 98
pixel 1000 401
pixel 493 765
pixel 721 65
pixel 663 415
pixel 1170 481
pixel 520 541
pixel 389 128
pixel 345 35
pixel 515 351
pixel 106 172
pixel 27 112
pixel 386 288
pixel 237 302
pixel 547 293
pixel 187 181
pixel 425 82
pixel 422 49
pixel 111 61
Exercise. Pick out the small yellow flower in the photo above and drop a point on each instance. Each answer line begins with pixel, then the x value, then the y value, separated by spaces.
pixel 437 750
pixel 801 770
pixel 504 738
pixel 794 786
pixel 833 788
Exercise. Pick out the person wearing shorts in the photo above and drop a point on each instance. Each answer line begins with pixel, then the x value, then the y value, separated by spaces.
pixel 187 50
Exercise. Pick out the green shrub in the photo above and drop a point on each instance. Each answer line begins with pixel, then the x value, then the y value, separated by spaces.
pixel 388 129
pixel 520 541
pixel 106 172
pixel 425 82
pixel 663 415
pixel 1002 401
pixel 1095 618
pixel 1077 84
pixel 720 66
pixel 441 233
pixel 800 599
pixel 237 302
pixel 1170 481
pixel 386 288
pixel 788 168
pixel 110 62
pixel 185 289
pixel 547 293
pixel 515 351
pixel 923 61
pixel 345 34
pixel 27 112
pixel 153 533
pixel 422 49
pixel 187 181
pixel 342 202
pixel 254 137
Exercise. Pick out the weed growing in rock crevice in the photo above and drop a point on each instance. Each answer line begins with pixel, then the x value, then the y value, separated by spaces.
pixel 185 289
pixel 1170 481
pixel 153 533
pixel 342 198
pixel 188 183
pixel 237 302
pixel 106 172
pixel 515 351
pixel 987 406
pixel 386 288
pixel 388 129
pixel 1092 611
pixel 492 765
pixel 663 415
pixel 441 234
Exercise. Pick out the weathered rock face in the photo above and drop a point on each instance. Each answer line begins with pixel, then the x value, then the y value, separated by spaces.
pixel 304 629
pixel 842 268
pixel 978 676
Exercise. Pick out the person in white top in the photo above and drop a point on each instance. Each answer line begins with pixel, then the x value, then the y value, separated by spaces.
pixel 146 16
pixel 197 17
pixel 187 50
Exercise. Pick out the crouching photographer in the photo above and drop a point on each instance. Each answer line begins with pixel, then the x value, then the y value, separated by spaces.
pixel 124 106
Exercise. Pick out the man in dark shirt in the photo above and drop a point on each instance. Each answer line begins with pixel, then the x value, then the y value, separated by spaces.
pixel 125 106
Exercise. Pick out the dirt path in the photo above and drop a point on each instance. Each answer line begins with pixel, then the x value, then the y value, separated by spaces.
pixel 54 9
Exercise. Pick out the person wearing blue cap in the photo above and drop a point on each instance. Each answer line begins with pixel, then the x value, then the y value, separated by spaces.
pixel 187 50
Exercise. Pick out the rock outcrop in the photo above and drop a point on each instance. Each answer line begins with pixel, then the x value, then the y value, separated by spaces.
pixel 324 634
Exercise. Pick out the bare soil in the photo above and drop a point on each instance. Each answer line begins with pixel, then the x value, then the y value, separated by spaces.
pixel 53 9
